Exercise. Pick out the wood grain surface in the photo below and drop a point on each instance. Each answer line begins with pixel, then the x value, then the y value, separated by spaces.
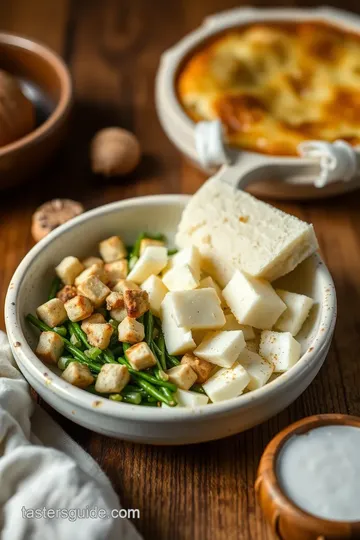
pixel 112 48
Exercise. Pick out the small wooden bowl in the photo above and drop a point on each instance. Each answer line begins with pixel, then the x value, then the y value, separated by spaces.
pixel 46 81
pixel 287 520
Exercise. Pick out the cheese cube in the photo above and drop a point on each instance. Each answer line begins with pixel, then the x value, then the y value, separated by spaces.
pixel 118 314
pixel 50 347
pixel 66 293
pixel 96 318
pixel 146 242
pixel 152 261
pixel 156 293
pixel 99 335
pixel 69 269
pixel 189 256
pixel 52 312
pixel 207 283
pixel 78 375
pixel 221 348
pixel 94 270
pixel 279 348
pixel 94 289
pixel 232 324
pixel 115 300
pixel 78 308
pixel 180 278
pixel 112 249
pixel 112 379
pixel 197 309
pixel 136 303
pixel 140 356
pixel 253 301
pixel 183 376
pixel 297 311
pixel 187 398
pixel 124 284
pixel 116 270
pixel 202 368
pixel 227 383
pixel 131 331
pixel 178 340
pixel 89 261
pixel 258 369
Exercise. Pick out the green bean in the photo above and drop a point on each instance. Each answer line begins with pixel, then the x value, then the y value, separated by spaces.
pixel 149 327
pixel 126 346
pixel 172 360
pixel 137 375
pixel 136 249
pixel 118 351
pixel 172 251
pixel 55 286
pixel 116 397
pixel 160 348
pixel 154 403
pixel 63 362
pixel 169 395
pixel 93 353
pixel 198 388
pixel 109 357
pixel 156 393
pixel 80 333
pixel 131 397
pixel 61 330
pixel 74 340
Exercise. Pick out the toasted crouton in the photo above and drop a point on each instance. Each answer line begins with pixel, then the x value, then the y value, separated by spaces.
pixel 136 302
pixel 140 356
pixel 66 293
pixel 112 378
pixel 123 284
pixel 95 318
pixel 202 368
pixel 78 374
pixel 183 376
pixel 94 270
pixel 78 308
pixel 69 269
pixel 118 314
pixel 145 242
pixel 52 312
pixel 94 289
pixel 115 300
pixel 50 347
pixel 116 270
pixel 112 249
pixel 89 261
pixel 99 335
pixel 131 331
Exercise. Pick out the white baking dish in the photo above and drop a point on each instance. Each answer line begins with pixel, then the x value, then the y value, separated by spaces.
pixel 278 177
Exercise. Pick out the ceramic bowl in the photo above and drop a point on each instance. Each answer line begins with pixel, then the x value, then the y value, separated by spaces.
pixel 46 81
pixel 29 288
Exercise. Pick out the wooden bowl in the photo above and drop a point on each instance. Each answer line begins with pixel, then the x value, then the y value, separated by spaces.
pixel 46 81
pixel 287 520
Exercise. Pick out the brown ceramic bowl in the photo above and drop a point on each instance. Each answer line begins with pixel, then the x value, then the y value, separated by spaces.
pixel 46 81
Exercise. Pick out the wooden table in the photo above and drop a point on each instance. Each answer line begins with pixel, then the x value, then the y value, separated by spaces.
pixel 113 49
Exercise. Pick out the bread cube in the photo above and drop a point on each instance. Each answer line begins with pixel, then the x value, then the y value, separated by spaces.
pixel 140 356
pixel 99 334
pixel 112 249
pixel 258 369
pixel 202 368
pixel 187 398
pixel 95 318
pixel 253 301
pixel 66 293
pixel 207 283
pixel 115 300
pixel 69 269
pixel 180 278
pixel 188 256
pixel 94 290
pixel 232 324
pixel 178 340
pixel 221 348
pixel 146 242
pixel 52 312
pixel 136 303
pixel 78 308
pixel 118 314
pixel 112 379
pixel 156 293
pixel 131 331
pixel 183 376
pixel 116 270
pixel 123 284
pixel 50 347
pixel 78 374
pixel 90 261
pixel 94 270
pixel 279 348
pixel 227 383
pixel 298 307
pixel 197 309
pixel 152 261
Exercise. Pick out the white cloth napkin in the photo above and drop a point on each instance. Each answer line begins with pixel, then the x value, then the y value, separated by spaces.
pixel 42 469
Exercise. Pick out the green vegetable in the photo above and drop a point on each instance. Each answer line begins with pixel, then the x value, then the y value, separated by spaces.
pixel 154 392
pixel 160 350
pixel 93 353
pixel 172 251
pixel 79 333
pixel 63 362
pixel 149 327
pixel 109 357
pixel 118 351
pixel 55 286
pixel 172 360
pixel 61 330
pixel 116 397
pixel 137 375
pixel 74 340
pixel 198 388
pixel 133 397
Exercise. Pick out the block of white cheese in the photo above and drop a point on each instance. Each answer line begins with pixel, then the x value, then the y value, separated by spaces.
pixel 227 383
pixel 253 301
pixel 221 348
pixel 156 291
pixel 232 324
pixel 235 231
pixel 152 261
pixel 187 398
pixel 297 311
pixel 178 340
pixel 209 282
pixel 258 369
pixel 279 348
pixel 180 278
pixel 197 309
pixel 188 256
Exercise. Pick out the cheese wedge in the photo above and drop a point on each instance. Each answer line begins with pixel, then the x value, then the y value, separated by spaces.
pixel 235 231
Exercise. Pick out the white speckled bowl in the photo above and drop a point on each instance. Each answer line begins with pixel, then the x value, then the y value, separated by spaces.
pixel 29 288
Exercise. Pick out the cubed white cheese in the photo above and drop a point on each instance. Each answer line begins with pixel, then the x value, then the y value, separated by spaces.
pixel 189 256
pixel 69 269
pixel 209 282
pixel 52 312
pixel 152 261
pixel 180 278
pixel 232 324
pixel 112 249
pixel 227 383
pixel 253 301
pixel 112 378
pixel 187 398
pixel 197 309
pixel 178 340
pixel 297 311
pixel 146 242
pixel 221 348
pixel 258 369
pixel 156 291
pixel 279 348
pixel 183 376
pixel 235 231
